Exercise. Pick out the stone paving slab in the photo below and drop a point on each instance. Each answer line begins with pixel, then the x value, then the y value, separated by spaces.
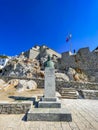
pixel 84 117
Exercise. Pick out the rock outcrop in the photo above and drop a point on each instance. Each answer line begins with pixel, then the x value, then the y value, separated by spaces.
pixel 10 84
pixel 2 82
pixel 71 72
pixel 19 85
pixel 22 68
pixel 61 76
pixel 26 85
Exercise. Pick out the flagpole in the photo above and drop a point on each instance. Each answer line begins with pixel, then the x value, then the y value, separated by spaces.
pixel 68 39
pixel 70 46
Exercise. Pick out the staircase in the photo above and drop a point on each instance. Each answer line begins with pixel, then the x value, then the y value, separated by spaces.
pixel 68 93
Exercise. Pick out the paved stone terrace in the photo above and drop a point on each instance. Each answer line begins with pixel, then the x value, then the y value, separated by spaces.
pixel 84 114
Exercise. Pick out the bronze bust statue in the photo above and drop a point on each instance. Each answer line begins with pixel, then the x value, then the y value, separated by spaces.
pixel 49 62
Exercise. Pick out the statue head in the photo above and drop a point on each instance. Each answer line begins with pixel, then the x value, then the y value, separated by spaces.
pixel 49 62
pixel 49 58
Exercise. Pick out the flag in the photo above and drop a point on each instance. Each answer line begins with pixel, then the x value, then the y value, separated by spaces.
pixel 68 37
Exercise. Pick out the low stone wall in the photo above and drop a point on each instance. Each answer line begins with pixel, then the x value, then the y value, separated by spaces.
pixel 14 107
pixel 73 84
pixel 59 84
pixel 76 85
pixel 90 94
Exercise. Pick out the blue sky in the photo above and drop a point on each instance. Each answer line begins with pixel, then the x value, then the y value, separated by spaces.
pixel 25 23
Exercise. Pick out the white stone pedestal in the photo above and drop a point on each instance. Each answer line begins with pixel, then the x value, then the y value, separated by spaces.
pixel 49 107
pixel 49 100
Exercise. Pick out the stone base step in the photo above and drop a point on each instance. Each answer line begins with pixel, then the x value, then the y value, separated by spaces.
pixel 48 104
pixel 49 114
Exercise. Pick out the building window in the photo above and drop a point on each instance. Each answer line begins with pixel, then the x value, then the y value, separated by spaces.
pixel 3 60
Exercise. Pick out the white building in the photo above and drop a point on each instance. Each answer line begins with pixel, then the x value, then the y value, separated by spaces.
pixel 3 61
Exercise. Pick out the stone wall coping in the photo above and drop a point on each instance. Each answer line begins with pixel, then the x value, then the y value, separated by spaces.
pixel 79 82
pixel 43 80
pixel 16 102
pixel 89 90
pixel 14 107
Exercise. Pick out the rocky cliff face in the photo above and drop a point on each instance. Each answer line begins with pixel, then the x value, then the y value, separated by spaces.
pixel 30 68
pixel 22 67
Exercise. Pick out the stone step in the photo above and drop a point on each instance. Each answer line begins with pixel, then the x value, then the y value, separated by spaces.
pixel 69 97
pixel 49 114
pixel 68 93
pixel 72 93
pixel 67 88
